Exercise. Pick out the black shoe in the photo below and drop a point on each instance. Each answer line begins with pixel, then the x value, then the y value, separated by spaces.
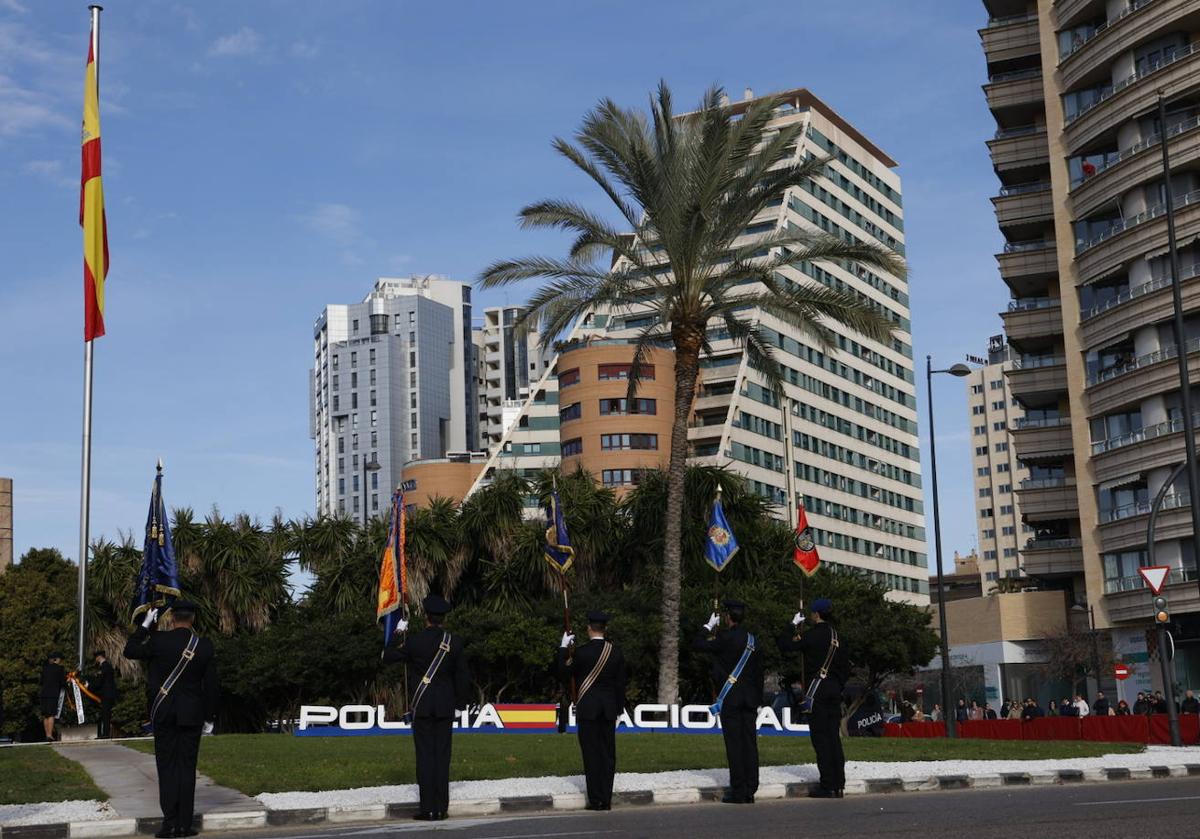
pixel 732 799
pixel 425 816
pixel 823 792
pixel 166 833
pixel 748 800
pixel 593 805
pixel 442 816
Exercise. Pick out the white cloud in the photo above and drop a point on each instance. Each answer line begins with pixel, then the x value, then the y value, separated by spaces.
pixel 51 170
pixel 304 49
pixel 13 6
pixel 338 222
pixel 24 110
pixel 243 42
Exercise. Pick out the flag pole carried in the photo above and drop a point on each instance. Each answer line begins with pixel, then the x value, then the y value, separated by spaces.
pixel 95 269
pixel 720 544
pixel 559 553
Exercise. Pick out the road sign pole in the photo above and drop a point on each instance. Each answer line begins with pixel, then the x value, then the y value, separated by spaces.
pixel 1168 686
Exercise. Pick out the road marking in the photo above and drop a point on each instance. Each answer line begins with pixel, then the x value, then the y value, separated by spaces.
pixel 1136 801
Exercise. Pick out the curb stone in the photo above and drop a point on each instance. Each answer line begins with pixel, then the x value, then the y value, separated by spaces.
pixel 243 820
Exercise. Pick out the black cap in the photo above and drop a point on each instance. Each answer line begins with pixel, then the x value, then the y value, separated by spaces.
pixel 731 603
pixel 53 656
pixel 596 616
pixel 435 604
pixel 184 606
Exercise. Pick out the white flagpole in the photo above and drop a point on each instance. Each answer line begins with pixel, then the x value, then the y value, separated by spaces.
pixel 85 481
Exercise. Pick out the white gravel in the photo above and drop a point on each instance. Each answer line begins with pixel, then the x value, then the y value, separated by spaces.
pixel 628 781
pixel 54 812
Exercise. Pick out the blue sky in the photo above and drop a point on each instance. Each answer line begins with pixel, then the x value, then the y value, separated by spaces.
pixel 264 159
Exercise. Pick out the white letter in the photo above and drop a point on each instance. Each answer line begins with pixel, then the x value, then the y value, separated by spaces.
pixel 316 714
pixel 344 717
pixel 766 716
pixel 641 711
pixel 488 716
pixel 697 717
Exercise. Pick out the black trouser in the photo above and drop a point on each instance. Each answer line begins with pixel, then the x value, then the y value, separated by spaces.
pixel 824 727
pixel 598 743
pixel 741 749
pixel 176 748
pixel 104 726
pixel 431 740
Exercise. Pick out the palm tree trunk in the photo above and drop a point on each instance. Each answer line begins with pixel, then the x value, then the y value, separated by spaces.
pixel 687 364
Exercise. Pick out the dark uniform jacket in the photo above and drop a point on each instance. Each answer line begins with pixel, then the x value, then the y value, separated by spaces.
pixel 605 699
pixel 107 687
pixel 815 645
pixel 450 689
pixel 54 679
pixel 193 699
pixel 727 647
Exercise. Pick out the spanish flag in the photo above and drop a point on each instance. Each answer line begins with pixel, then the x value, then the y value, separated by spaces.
pixel 91 205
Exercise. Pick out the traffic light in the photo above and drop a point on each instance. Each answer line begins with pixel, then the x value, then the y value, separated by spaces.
pixel 1161 615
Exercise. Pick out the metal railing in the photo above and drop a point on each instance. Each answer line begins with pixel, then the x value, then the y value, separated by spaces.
pixel 1021 423
pixel 1015 75
pixel 1024 189
pixel 1150 432
pixel 1171 501
pixel 1111 91
pixel 1018 131
pixel 1148 214
pixel 1027 303
pixel 1034 544
pixel 1009 20
pixel 1045 483
pixel 1134 6
pixel 1137 148
pixel 1164 354
pixel 1022 247
pixel 1142 290
pixel 1116 585
pixel 1033 362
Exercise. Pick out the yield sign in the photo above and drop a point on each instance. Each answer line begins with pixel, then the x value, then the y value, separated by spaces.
pixel 1155 576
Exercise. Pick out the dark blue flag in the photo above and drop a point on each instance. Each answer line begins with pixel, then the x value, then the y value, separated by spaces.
pixel 158 581
pixel 719 542
pixel 558 550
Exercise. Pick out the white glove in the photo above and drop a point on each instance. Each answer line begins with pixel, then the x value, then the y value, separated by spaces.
pixel 797 618
pixel 208 728
pixel 401 626
pixel 713 620
pixel 567 640
pixel 150 618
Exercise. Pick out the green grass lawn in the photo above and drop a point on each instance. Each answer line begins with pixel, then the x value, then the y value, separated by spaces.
pixel 255 763
pixel 29 774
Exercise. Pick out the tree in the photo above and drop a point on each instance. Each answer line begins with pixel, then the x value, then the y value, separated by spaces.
pixel 1072 656
pixel 688 187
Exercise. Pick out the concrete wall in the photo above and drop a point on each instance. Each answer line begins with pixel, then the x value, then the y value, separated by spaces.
pixel 440 478
pixel 1021 616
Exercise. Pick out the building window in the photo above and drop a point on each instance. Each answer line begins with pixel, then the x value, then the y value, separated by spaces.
pixel 620 477
pixel 341 486
pixel 354 484
pixel 980 451
pixel 998 406
pixel 372 378
pixel 1002 447
pixel 354 401
pixel 336 402
pixel 999 426
pixel 568 377
pixel 374 418
pixel 414 442
pixel 570 448
pixel 341 445
pixel 982 471
pixel 976 410
pixel 985 513
pixel 341 465
pixel 1002 467
pixel 356 503
pixel 981 429
pixel 372 356
pixel 1004 489
pixel 1008 530
pixel 621 407
pixel 335 362
pixel 355 326
pixel 412 379
pixel 1006 509
pixel 374 439
pixel 374 502
pixel 976 388
pixel 570 412
pixel 412 420
pixel 608 372
pixel 412 359
pixel 372 399
pixel 412 400
pixel 335 381
pixel 412 318
pixel 354 442
pixel 997 384
pixel 611 442
pixel 374 480
pixel 353 359
pixel 985 492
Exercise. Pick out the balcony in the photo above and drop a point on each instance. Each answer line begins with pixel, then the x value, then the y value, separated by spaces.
pixel 1016 89
pixel 1017 149
pixel 1137 23
pixel 1024 204
pixel 1048 499
pixel 1152 447
pixel 1068 12
pixel 1115 387
pixel 1032 319
pixel 1024 262
pixel 1133 237
pixel 1139 163
pixel 1149 302
pixel 1128 598
pixel 1123 528
pixel 1052 557
pixel 1009 38
pixel 1037 378
pixel 1134 94
pixel 1042 439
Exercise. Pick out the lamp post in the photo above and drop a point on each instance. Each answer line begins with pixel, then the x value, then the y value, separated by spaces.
pixel 948 709
pixel 368 467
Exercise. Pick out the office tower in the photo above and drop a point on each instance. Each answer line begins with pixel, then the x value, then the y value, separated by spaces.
pixel 1074 87
pixel 509 360
pixel 392 381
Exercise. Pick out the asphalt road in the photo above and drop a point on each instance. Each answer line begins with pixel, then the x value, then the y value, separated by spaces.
pixel 1166 808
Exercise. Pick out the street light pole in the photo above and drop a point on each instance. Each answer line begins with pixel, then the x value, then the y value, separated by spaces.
pixel 948 710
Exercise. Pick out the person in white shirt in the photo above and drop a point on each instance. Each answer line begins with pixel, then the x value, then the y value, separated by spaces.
pixel 1081 706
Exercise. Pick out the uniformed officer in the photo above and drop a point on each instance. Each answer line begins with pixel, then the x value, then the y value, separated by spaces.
pixel 107 690
pixel 53 683
pixel 182 682
pixel 739 710
pixel 597 669
pixel 825 719
pixel 437 667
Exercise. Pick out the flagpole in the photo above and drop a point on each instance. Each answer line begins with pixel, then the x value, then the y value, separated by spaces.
pixel 85 480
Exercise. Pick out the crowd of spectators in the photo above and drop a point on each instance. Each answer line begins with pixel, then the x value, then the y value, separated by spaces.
pixel 1145 703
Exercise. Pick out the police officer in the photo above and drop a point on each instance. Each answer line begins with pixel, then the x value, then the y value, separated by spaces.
pixel 825 719
pixel 182 682
pixel 53 683
pixel 107 690
pixel 438 668
pixel 739 710
pixel 597 669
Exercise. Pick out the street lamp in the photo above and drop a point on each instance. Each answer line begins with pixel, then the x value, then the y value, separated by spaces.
pixel 369 466
pixel 958 370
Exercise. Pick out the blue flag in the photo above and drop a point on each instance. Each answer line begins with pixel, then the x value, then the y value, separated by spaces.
pixel 158 581
pixel 719 542
pixel 558 550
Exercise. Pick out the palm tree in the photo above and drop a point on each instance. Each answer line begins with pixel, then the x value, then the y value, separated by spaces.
pixel 687 187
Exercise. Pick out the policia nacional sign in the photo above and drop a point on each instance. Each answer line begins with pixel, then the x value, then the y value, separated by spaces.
pixel 373 720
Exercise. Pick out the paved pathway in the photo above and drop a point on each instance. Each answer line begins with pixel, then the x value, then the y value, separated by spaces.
pixel 131 781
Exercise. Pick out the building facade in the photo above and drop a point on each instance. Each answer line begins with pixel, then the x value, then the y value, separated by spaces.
pixel 393 380
pixel 6 523
pixel 1074 86
pixel 509 360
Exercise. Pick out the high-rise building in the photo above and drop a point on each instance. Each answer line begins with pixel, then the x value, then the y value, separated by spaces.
pixel 509 359
pixel 995 416
pixel 6 523
pixel 393 380
pixel 843 441
pixel 1074 87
